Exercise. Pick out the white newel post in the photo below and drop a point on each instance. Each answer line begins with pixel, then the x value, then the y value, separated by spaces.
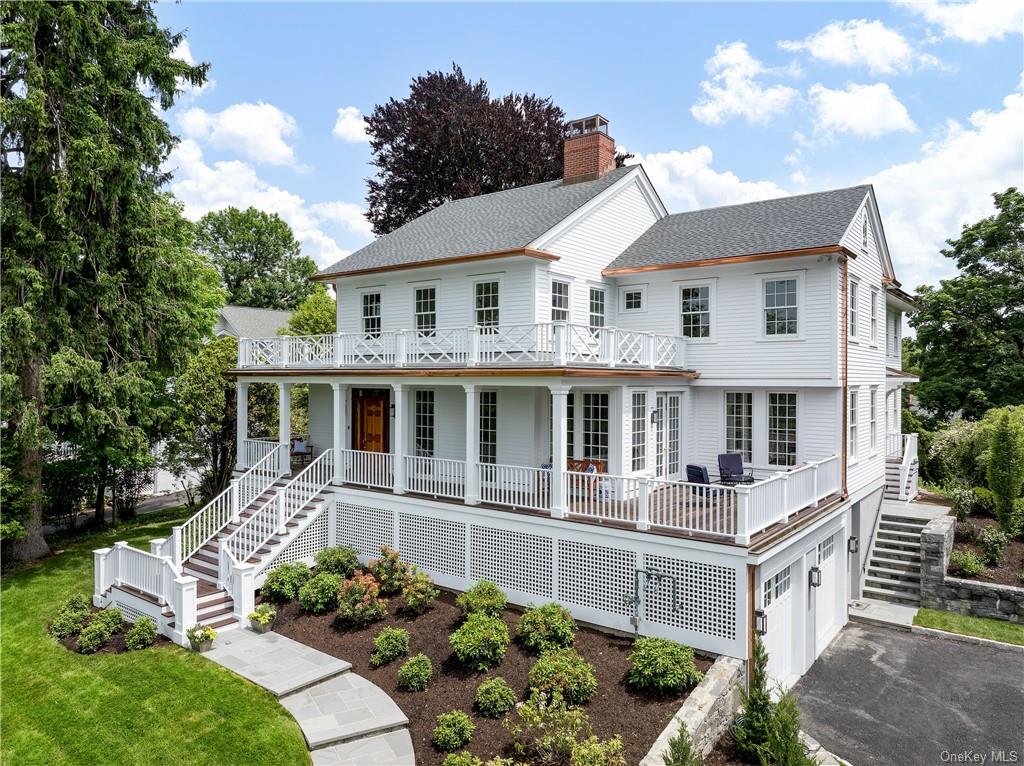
pixel 284 427
pixel 282 514
pixel 241 424
pixel 338 392
pixel 183 602
pixel 652 357
pixel 559 453
pixel 117 559
pixel 473 347
pixel 643 516
pixel 814 481
pixel 243 590
pixel 472 446
pixel 561 344
pixel 742 515
pixel 785 495
pixel 176 545
pixel 156 547
pixel 99 574
pixel 236 503
pixel 398 439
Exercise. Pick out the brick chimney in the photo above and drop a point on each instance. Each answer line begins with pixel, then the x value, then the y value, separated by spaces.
pixel 589 152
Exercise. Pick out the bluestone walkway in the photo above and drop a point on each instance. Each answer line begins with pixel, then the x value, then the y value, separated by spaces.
pixel 346 719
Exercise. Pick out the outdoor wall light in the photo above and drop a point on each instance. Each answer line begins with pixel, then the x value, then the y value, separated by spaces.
pixel 853 544
pixel 814 577
pixel 391 409
pixel 760 622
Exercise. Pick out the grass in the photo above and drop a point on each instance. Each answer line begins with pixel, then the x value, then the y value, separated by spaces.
pixel 982 627
pixel 160 705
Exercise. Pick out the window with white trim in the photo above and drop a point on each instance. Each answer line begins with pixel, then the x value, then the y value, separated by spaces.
pixel 597 308
pixel 852 309
pixel 425 310
pixel 775 586
pixel 595 425
pixel 559 301
pixel 632 299
pixel 371 314
pixel 695 311
pixel 780 307
pixel 488 427
pixel 739 423
pixel 486 303
pixel 826 549
pixel 874 315
pixel 873 420
pixel 639 430
pixel 781 428
pixel 423 423
pixel 851 420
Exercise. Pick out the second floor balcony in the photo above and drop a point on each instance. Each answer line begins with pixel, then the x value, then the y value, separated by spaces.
pixel 542 344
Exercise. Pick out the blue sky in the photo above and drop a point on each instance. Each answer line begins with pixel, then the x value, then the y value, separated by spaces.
pixel 723 103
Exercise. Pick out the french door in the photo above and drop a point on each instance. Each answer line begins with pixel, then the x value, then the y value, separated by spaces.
pixel 668 435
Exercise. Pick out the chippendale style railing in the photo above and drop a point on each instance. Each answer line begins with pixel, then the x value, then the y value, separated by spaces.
pixel 544 343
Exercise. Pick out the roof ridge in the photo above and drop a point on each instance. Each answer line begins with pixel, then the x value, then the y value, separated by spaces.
pixel 552 182
pixel 770 199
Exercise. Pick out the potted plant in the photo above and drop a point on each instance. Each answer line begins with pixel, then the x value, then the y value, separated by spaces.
pixel 201 637
pixel 262 618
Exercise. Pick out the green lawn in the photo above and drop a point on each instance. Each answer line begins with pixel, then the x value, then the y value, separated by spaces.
pixel 983 627
pixel 160 705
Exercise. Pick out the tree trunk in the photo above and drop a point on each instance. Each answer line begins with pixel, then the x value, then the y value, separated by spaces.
pixel 30 469
pixel 100 519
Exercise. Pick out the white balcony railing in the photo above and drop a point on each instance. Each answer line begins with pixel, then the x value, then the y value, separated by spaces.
pixel 515 486
pixel 367 469
pixel 439 477
pixel 123 565
pixel 540 344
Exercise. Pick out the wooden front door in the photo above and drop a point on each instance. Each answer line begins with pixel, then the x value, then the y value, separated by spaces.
pixel 370 420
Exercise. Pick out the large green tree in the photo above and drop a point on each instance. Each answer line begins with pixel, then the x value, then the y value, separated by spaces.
pixel 259 260
pixel 970 330
pixel 102 293
pixel 317 315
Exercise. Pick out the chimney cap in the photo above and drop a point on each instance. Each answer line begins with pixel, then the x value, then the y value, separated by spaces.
pixel 593 124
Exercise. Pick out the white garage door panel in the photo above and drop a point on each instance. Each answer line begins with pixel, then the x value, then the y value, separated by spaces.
pixel 827 597
pixel 778 603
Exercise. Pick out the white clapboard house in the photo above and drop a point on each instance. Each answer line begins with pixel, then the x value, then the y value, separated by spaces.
pixel 535 387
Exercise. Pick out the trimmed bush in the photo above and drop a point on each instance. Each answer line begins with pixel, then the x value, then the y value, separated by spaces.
pixel 71 617
pixel 320 594
pixel 680 751
pixel 494 697
pixel 480 642
pixel 965 562
pixel 110 618
pixel 283 582
pixel 454 729
pixel 342 561
pixel 417 592
pixel 544 729
pixel 389 570
pixel 596 752
pixel 663 666
pixel 359 600
pixel 993 542
pixel 415 673
pixel 546 627
pixel 98 632
pixel 77 602
pixel 966 532
pixel 390 644
pixel 141 634
pixel 483 598
pixel 984 501
pixel 465 758
pixel 1005 472
pixel 565 672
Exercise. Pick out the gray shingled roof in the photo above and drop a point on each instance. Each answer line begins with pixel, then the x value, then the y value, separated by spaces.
pixel 254 323
pixel 769 226
pixel 502 220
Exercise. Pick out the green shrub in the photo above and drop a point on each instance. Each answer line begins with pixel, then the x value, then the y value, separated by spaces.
pixel 596 752
pixel 565 672
pixel 544 729
pixel 494 697
pixel 264 614
pixel 546 627
pixel 104 624
pixel 962 500
pixel 417 592
pixel 283 582
pixel 389 570
pixel 680 751
pixel 483 598
pixel 1017 519
pixel 342 561
pixel 966 532
pixel 77 602
pixel 71 617
pixel 1005 472
pixel 965 562
pixel 141 634
pixel 465 758
pixel 660 665
pixel 359 600
pixel 984 501
pixel 319 594
pixel 390 644
pixel 415 673
pixel 454 729
pixel 110 618
pixel 750 731
pixel 480 642
pixel 993 542
pixel 784 746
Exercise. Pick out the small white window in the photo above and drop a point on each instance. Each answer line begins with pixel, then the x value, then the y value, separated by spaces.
pixel 486 311
pixel 852 424
pixel 597 310
pixel 639 413
pixel 826 549
pixel 633 299
pixel 852 311
pixel 873 421
pixel 425 300
pixel 695 311
pixel 874 315
pixel 780 307
pixel 559 301
pixel 371 314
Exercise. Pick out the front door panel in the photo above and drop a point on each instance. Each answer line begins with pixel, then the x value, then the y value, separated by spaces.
pixel 370 421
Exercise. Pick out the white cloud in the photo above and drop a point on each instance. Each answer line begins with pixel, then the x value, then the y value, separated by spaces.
pixel 257 131
pixel 975 22
pixel 183 52
pixel 868 111
pixel 202 187
pixel 734 91
pixel 348 214
pixel 926 201
pixel 350 126
pixel 686 181
pixel 861 43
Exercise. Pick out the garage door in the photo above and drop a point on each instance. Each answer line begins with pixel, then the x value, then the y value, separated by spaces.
pixel 778 604
pixel 829 595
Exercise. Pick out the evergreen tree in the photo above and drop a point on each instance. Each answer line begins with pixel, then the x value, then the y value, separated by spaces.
pixel 1006 469
pixel 680 751
pixel 752 729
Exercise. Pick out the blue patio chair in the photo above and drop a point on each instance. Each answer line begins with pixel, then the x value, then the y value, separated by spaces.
pixel 730 469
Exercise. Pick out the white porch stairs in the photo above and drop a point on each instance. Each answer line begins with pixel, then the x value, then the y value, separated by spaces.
pixel 894 569
pixel 901 469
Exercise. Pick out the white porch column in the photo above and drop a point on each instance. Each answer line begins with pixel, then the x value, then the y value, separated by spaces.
pixel 284 425
pixel 472 488
pixel 241 423
pixel 559 454
pixel 398 439
pixel 339 393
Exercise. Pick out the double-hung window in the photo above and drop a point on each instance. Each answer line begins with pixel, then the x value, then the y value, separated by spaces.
pixel 739 423
pixel 780 307
pixel 423 421
pixel 874 315
pixel 371 315
pixel 873 420
pixel 853 310
pixel 597 302
pixel 695 311
pixel 639 418
pixel 851 419
pixel 486 310
pixel 489 427
pixel 781 429
pixel 559 301
pixel 595 425
pixel 426 310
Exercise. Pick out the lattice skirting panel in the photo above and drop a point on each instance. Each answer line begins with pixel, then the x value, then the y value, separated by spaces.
pixel 304 547
pixel 589 569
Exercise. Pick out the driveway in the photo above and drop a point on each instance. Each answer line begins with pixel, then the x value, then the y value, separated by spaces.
pixel 880 697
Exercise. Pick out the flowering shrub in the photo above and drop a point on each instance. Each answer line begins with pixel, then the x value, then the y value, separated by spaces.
pixel 993 542
pixel 104 624
pixel 283 582
pixel 72 616
pixel 359 600
pixel 417 592
pixel 965 562
pixel 141 634
pixel 494 697
pixel 342 561
pixel 389 570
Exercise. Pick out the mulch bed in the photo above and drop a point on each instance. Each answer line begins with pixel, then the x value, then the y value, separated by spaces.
pixel 1009 572
pixel 724 753
pixel 113 645
pixel 614 709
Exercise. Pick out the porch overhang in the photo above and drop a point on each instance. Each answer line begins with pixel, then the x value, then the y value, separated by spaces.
pixel 463 372
pixel 529 252
pixel 899 377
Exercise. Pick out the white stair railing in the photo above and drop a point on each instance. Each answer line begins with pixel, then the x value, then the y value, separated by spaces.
pixel 124 565
pixel 909 457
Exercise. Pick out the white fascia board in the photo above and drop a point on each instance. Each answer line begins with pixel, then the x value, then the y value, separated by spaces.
pixel 790 547
pixel 706 382
pixel 876 227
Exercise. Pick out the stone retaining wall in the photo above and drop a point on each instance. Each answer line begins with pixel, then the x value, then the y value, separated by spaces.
pixel 955 594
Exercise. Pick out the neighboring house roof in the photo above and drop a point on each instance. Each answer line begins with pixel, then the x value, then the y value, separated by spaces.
pixel 489 224
pixel 802 222
pixel 247 322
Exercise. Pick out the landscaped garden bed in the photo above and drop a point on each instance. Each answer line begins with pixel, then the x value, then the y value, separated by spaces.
pixel 970 547
pixel 614 706
pixel 84 629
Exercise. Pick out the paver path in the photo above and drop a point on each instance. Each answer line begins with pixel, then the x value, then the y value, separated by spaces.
pixel 346 720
